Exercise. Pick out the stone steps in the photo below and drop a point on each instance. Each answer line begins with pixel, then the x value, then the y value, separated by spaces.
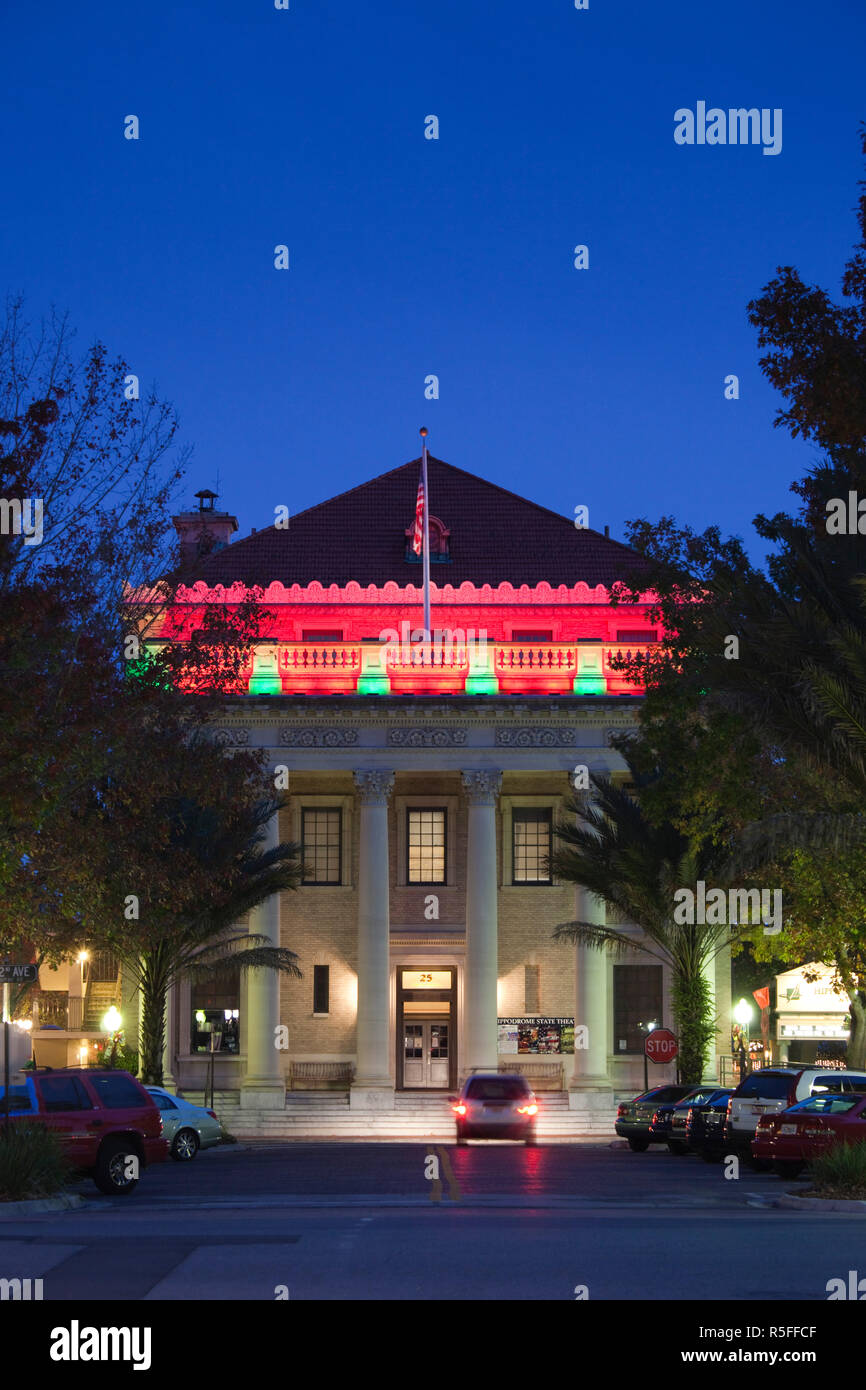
pixel 315 1115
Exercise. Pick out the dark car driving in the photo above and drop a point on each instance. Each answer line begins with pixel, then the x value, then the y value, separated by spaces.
pixel 634 1117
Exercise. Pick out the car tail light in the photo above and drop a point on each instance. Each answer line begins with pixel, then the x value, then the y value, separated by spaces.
pixel 213 1114
pixel 527 1109
pixel 792 1094
pixel 728 1111
pixel 621 1109
pixel 460 1109
pixel 655 1118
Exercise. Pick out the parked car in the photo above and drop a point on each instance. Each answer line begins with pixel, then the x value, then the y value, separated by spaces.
pixel 811 1127
pixel 103 1118
pixel 496 1105
pixel 187 1127
pixel 669 1122
pixel 772 1089
pixel 634 1117
pixel 705 1125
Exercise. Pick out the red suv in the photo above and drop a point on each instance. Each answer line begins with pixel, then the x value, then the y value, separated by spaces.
pixel 109 1126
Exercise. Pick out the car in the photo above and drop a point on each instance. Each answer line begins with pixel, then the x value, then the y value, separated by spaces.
pixel 496 1105
pixel 669 1121
pixel 634 1117
pixel 771 1089
pixel 705 1125
pixel 103 1117
pixel 790 1139
pixel 187 1127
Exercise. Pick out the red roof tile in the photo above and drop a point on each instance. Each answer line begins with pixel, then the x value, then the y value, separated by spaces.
pixel 496 536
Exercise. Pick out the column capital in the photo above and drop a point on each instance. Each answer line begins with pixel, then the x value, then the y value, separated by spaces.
pixel 481 785
pixel 374 784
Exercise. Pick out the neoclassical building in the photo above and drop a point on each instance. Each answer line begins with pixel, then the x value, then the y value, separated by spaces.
pixel 424 782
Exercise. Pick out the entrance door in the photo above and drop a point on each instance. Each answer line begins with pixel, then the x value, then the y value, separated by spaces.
pixel 425 1053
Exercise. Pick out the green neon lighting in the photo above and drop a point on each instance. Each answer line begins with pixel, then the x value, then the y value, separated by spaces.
pixel 590 685
pixel 482 685
pixel 374 685
pixel 265 685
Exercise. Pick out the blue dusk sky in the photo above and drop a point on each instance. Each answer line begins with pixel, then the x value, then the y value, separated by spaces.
pixel 455 257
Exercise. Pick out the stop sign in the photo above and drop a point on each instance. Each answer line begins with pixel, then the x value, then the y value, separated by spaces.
pixel 661 1045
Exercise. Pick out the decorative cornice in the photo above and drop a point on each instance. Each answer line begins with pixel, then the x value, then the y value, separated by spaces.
pixel 536 738
pixel 481 785
pixel 313 737
pixel 467 592
pixel 374 785
pixel 231 738
pixel 426 738
pixel 611 734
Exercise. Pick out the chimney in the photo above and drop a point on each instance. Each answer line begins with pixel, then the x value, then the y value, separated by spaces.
pixel 205 531
pixel 607 532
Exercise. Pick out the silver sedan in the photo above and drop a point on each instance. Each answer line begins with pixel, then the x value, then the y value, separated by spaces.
pixel 187 1127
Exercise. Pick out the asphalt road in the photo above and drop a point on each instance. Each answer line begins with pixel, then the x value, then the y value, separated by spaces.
pixel 331 1221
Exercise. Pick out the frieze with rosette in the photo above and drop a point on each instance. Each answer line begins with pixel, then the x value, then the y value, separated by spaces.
pixel 318 738
pixel 536 738
pixel 426 738
pixel 231 738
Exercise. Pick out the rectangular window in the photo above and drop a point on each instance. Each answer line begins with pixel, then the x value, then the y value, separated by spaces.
pixel 638 635
pixel 321 635
pixel 215 1011
pixel 531 845
pixel 425 846
pixel 545 635
pixel 321 840
pixel 321 989
pixel 637 999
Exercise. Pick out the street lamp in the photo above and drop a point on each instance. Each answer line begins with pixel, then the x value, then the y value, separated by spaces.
pixel 743 1016
pixel 111 1024
pixel 646 1029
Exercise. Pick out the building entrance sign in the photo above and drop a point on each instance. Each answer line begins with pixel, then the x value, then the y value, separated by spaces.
pixel 426 979
pixel 534 1035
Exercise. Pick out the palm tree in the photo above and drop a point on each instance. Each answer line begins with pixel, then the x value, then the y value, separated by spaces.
pixel 193 936
pixel 607 846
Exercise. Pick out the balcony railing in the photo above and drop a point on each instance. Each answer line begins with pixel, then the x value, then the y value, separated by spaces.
pixel 582 668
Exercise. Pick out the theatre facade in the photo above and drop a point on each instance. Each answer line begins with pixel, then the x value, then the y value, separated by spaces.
pixel 424 781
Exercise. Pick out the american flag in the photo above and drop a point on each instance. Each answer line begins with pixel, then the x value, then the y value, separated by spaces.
pixel 418 536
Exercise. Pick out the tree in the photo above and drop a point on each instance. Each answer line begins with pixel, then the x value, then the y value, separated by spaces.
pixel 97 470
pixel 611 849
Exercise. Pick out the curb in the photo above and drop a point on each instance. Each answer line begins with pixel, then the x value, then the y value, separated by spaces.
pixel 66 1202
pixel 820 1204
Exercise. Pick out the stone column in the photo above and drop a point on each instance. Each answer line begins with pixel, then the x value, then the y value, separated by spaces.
pixel 717 973
pixel 373 1086
pixel 264 1083
pixel 590 1086
pixel 481 787
pixel 169 1049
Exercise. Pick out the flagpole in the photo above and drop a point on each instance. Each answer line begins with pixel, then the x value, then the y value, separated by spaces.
pixel 427 632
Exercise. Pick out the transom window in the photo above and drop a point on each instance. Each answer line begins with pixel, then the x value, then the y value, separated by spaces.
pixel 425 845
pixel 531 846
pixel 321 841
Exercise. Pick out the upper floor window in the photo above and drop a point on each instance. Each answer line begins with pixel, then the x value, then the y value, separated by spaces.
pixel 531 832
pixel 321 842
pixel 540 635
pixel 440 538
pixel 425 845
